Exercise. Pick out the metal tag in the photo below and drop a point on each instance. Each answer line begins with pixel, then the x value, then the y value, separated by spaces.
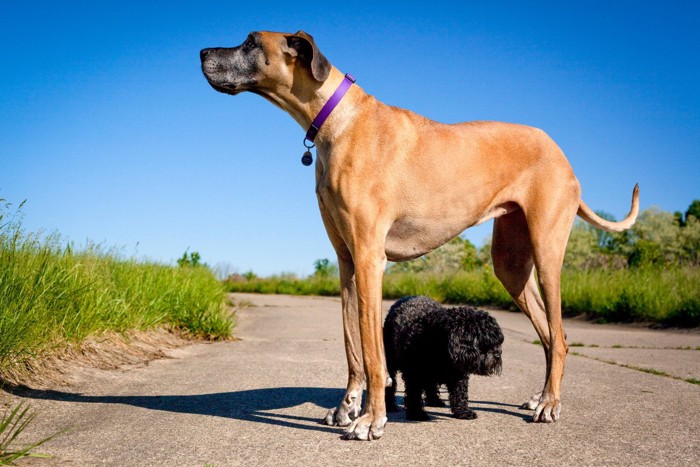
pixel 307 159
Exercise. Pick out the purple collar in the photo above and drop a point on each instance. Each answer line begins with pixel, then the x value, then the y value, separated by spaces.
pixel 328 108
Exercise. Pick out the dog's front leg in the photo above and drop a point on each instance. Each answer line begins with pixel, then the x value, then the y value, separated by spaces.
pixel 459 398
pixel 350 406
pixel 370 260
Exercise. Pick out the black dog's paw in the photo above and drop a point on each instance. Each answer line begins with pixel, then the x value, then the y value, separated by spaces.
pixel 465 414
pixel 417 415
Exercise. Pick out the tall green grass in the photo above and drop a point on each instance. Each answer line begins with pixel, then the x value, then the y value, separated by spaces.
pixel 51 295
pixel 477 287
pixel 667 296
pixel 285 284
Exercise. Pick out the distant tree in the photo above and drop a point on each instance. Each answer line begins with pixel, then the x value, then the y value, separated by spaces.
pixel 645 254
pixel 604 238
pixel 458 254
pixel 678 216
pixel 693 210
pixel 690 241
pixel 469 255
pixel 190 259
pixel 483 254
pixel 657 227
pixel 324 268
pixel 583 246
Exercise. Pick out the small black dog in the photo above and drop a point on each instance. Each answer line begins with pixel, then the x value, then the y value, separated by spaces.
pixel 432 345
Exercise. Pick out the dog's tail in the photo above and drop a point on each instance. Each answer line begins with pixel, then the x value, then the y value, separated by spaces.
pixel 595 220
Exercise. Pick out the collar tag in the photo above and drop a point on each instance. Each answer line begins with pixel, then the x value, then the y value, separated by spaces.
pixel 323 115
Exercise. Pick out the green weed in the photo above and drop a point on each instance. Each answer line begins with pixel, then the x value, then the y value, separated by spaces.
pixel 12 424
pixel 668 296
pixel 51 295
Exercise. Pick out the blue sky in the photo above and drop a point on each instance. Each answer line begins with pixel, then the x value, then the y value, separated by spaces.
pixel 111 133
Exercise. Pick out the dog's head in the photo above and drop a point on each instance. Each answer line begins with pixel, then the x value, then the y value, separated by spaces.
pixel 264 62
pixel 475 342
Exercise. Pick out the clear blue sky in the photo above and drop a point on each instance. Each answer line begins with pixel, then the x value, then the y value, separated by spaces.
pixel 111 133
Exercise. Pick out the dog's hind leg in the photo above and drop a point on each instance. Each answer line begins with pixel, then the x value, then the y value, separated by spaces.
pixel 513 264
pixel 414 396
pixel 459 398
pixel 550 235
pixel 549 223
pixel 432 397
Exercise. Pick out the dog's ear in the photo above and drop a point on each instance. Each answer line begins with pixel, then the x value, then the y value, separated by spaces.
pixel 303 46
pixel 463 346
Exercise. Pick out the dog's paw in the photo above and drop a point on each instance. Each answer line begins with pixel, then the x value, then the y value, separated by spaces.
pixel 340 416
pixel 329 419
pixel 533 402
pixel 348 410
pixel 547 411
pixel 366 428
pixel 467 414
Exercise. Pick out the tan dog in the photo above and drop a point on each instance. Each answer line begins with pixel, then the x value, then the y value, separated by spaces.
pixel 393 185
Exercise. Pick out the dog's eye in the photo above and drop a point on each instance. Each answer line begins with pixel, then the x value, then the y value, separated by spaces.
pixel 249 44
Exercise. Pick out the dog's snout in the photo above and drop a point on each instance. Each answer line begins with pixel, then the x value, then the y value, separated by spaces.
pixel 497 354
pixel 203 53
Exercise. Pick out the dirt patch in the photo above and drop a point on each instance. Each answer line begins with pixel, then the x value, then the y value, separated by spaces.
pixel 107 351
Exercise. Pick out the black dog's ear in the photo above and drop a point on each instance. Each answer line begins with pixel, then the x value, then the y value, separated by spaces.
pixel 463 346
pixel 303 46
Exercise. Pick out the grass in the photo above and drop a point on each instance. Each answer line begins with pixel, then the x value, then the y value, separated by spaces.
pixel 286 284
pixel 668 296
pixel 478 287
pixel 12 424
pixel 52 295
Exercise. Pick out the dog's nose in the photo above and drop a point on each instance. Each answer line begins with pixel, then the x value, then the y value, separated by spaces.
pixel 203 53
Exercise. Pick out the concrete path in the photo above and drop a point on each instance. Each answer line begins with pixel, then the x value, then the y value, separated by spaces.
pixel 257 401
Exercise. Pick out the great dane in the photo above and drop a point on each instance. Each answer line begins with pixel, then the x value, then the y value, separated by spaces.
pixel 393 185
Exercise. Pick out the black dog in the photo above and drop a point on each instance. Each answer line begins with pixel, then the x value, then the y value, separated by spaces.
pixel 432 345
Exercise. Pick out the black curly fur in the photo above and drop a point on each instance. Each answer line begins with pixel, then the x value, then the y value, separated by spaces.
pixel 432 345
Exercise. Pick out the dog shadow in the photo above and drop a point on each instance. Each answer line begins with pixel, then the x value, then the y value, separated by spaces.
pixel 445 414
pixel 501 408
pixel 253 405
pixel 497 407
